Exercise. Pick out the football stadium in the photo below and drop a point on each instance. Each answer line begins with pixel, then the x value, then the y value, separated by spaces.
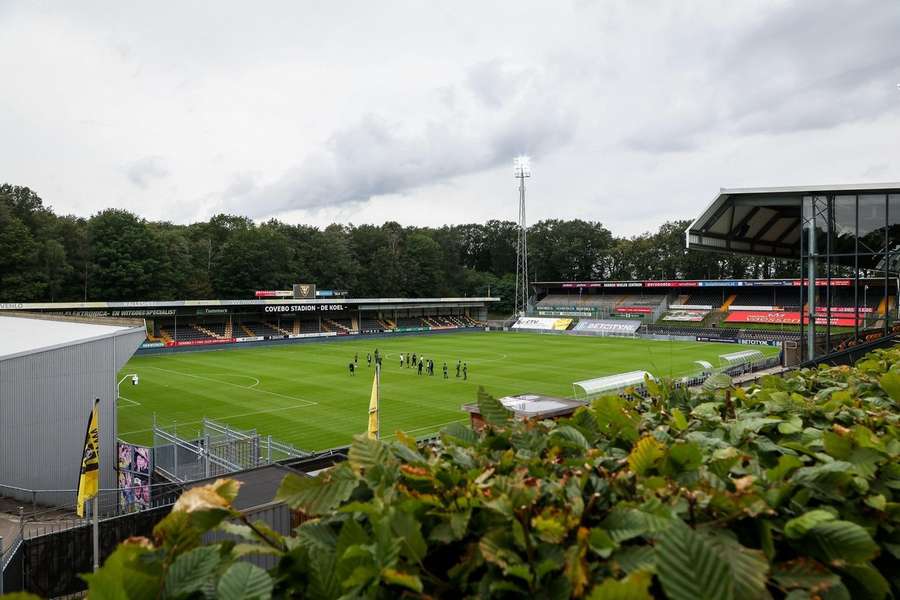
pixel 269 327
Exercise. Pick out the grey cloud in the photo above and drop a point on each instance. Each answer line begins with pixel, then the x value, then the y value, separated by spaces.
pixel 146 171
pixel 379 156
pixel 801 67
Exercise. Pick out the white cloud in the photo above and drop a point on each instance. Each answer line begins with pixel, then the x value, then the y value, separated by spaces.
pixel 635 112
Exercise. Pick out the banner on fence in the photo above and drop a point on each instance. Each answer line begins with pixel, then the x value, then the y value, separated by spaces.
pixel 135 465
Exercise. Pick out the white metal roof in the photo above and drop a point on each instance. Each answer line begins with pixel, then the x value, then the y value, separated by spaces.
pixel 612 383
pixel 703 363
pixel 743 356
pixel 20 335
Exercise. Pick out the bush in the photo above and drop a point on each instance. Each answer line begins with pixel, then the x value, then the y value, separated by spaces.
pixel 782 490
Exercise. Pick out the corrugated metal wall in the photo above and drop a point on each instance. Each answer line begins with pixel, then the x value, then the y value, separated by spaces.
pixel 45 400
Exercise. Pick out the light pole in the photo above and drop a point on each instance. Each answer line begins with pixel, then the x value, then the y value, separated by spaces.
pixel 522 169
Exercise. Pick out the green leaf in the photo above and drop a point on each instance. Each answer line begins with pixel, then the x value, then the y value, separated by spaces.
pixel 750 568
pixel 366 453
pixel 645 455
pixel 243 580
pixel 409 530
pixel 804 573
pixel 324 582
pixel 492 411
pixel 865 582
pixel 679 421
pixel 460 433
pixel 569 436
pixel 684 456
pixel 719 381
pixel 890 383
pixel 318 495
pixel 634 587
pixel 690 568
pixel 316 536
pixel 800 526
pixel 192 571
pixel 842 541
pixel 407 580
pixel 126 574
pixel 601 543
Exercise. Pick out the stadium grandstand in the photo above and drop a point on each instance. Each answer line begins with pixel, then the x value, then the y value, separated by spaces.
pixel 185 323
pixel 728 310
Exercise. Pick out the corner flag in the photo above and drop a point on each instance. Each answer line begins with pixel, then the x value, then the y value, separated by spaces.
pixel 89 481
pixel 373 405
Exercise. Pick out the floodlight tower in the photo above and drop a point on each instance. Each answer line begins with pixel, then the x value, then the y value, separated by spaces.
pixel 522 169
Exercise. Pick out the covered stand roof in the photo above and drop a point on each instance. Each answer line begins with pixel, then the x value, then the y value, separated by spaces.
pixel 26 334
pixel 763 221
pixel 704 364
pixel 611 383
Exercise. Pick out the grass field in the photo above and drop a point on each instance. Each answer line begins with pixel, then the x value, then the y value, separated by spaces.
pixel 303 394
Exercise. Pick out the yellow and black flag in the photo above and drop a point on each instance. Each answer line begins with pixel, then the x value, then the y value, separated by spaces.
pixel 373 405
pixel 89 481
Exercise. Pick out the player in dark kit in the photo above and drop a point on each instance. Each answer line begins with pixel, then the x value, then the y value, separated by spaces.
pixel 458 366
pixel 420 367
pixel 369 359
pixel 415 362
pixel 445 371
pixel 350 366
pixel 465 371
pixel 356 358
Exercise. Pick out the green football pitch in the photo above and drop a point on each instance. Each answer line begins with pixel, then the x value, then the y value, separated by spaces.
pixel 303 394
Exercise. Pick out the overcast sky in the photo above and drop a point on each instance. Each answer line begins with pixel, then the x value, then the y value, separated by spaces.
pixel 314 112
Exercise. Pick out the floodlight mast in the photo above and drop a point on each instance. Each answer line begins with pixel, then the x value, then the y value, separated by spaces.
pixel 522 169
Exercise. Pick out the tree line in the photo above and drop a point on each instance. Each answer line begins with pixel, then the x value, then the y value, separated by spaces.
pixel 117 255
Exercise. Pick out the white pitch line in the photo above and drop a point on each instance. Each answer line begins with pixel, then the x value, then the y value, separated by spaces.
pixel 133 402
pixel 425 427
pixel 226 417
pixel 243 387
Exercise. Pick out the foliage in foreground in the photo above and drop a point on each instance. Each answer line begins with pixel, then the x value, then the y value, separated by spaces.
pixel 784 490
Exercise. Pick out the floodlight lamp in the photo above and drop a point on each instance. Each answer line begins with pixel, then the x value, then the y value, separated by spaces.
pixel 522 166
pixel 134 380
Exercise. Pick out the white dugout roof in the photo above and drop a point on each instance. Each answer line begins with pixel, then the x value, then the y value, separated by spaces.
pixel 611 383
pixel 745 356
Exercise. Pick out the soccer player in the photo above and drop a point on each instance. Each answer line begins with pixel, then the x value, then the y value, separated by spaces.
pixel 401 361
pixel 350 366
pixel 420 367
pixel 465 371
pixel 415 362
pixel 431 367
pixel 458 366
pixel 356 358
pixel 369 358
pixel 445 370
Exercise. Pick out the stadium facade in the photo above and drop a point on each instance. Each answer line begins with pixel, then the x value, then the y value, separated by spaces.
pixel 50 373
pixel 180 323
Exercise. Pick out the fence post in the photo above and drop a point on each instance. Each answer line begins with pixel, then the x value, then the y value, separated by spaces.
pixel 2 570
pixel 269 451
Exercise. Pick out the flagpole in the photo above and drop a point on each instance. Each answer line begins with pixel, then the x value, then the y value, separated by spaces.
pixel 378 395
pixel 95 504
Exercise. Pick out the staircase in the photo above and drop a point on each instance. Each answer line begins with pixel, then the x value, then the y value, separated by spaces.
pixel 206 331
pixel 229 330
pixel 247 331
pixel 296 326
pixel 335 326
pixel 682 299
pixel 728 303
pixel 276 328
